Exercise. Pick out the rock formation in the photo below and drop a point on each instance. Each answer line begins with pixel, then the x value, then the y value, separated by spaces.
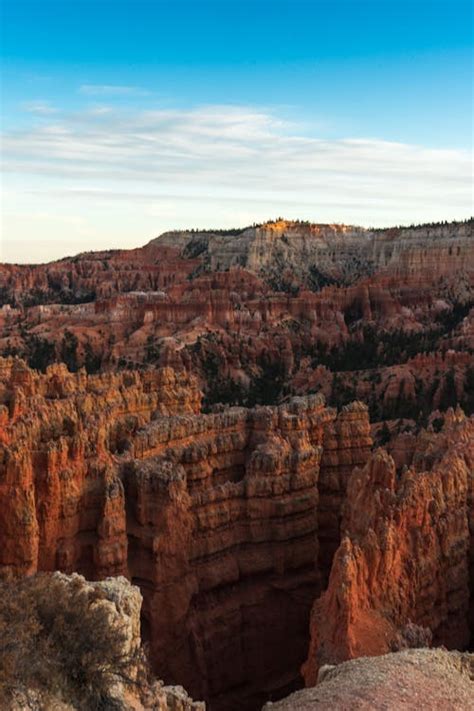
pixel 334 253
pixel 295 298
pixel 416 679
pixel 113 606
pixel 59 433
pixel 215 516
pixel 163 418
pixel 406 552
pixel 282 252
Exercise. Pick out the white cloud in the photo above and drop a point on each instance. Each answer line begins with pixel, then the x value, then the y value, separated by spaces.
pixel 42 108
pixel 131 174
pixel 112 90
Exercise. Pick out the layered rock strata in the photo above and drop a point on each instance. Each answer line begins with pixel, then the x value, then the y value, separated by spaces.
pixel 337 252
pixel 62 500
pixel 214 517
pixel 284 252
pixel 406 552
pixel 296 298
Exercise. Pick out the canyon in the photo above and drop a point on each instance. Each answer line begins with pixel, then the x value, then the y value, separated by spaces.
pixel 268 431
pixel 355 314
pixel 214 517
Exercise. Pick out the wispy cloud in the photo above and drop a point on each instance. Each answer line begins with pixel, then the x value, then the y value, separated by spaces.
pixel 42 108
pixel 112 90
pixel 152 170
pixel 238 147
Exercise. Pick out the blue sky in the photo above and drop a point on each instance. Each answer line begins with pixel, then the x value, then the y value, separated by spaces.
pixel 123 118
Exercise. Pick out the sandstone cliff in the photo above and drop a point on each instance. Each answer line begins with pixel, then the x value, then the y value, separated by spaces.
pixel 406 553
pixel 62 499
pixel 230 522
pixel 304 252
pixel 234 512
pixel 214 517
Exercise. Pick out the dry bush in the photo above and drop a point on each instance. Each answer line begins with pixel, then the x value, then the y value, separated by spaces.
pixel 412 636
pixel 56 642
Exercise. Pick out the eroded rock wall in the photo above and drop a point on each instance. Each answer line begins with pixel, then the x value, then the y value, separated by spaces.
pixel 214 516
pixel 285 296
pixel 237 573
pixel 405 555
pixel 62 498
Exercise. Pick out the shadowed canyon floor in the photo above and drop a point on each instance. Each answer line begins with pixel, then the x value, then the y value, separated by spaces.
pixel 269 432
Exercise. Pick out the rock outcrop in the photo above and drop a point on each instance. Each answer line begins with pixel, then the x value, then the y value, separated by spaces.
pixel 110 608
pixel 412 680
pixel 245 486
pixel 304 252
pixel 282 252
pixel 93 275
pixel 406 553
pixel 62 499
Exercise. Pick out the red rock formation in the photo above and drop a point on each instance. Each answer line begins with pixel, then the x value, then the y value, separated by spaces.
pixel 240 567
pixel 405 553
pixel 62 501
pixel 410 390
pixel 157 305
pixel 215 517
pixel 346 443
pixel 94 275
pixel 341 253
pixel 230 521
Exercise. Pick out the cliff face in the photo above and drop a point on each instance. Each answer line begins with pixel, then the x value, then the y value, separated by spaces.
pixel 240 570
pixel 62 500
pixel 406 553
pixel 215 517
pixel 93 275
pixel 282 252
pixel 347 442
pixel 335 253
pixel 240 566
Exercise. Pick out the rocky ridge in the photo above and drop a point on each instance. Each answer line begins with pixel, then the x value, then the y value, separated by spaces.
pixel 334 253
pixel 234 522
pixel 117 604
